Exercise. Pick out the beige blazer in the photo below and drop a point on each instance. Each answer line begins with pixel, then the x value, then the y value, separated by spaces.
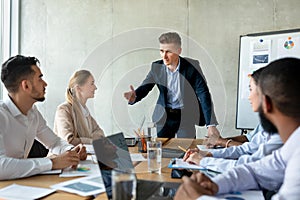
pixel 64 126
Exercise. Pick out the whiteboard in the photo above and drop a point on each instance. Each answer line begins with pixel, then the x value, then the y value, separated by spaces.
pixel 258 50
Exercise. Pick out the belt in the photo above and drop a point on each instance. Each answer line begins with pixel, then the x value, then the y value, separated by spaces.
pixel 174 111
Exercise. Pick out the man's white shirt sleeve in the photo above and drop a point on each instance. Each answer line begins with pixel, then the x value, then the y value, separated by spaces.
pixel 278 170
pixel 17 134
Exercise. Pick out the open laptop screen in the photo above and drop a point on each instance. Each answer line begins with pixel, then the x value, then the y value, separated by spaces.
pixel 112 153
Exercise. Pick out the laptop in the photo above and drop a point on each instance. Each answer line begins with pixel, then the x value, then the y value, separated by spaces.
pixel 112 154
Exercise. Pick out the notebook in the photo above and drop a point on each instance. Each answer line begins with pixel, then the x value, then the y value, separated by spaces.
pixel 112 153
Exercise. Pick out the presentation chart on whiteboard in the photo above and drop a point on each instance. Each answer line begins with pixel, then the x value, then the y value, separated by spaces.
pixel 258 50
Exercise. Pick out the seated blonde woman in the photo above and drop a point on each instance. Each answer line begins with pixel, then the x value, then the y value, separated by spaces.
pixel 73 121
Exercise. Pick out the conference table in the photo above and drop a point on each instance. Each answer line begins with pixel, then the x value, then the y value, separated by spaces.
pixel 140 167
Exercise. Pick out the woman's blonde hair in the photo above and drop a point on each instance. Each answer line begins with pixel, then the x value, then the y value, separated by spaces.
pixel 79 78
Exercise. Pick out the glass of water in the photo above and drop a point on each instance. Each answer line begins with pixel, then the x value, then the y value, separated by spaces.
pixel 154 156
pixel 123 184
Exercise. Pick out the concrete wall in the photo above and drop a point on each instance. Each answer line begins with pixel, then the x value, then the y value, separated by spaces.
pixel 117 40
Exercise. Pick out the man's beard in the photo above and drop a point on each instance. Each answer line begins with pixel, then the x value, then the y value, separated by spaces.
pixel 34 91
pixel 266 124
pixel 41 99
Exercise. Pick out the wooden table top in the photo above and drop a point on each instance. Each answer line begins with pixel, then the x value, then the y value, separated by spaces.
pixel 141 170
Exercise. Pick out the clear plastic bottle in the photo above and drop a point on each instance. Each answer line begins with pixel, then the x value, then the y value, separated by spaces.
pixel 152 131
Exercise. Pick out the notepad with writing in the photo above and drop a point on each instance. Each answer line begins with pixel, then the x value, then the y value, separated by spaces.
pixel 178 163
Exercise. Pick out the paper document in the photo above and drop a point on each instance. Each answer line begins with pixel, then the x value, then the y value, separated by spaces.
pixel 86 186
pixel 85 168
pixel 137 157
pixel 89 149
pixel 54 171
pixel 178 163
pixel 202 147
pixel 15 191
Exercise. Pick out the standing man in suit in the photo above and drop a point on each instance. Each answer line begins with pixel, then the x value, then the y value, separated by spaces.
pixel 184 99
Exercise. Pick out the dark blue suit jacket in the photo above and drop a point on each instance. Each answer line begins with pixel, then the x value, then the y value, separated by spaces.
pixel 198 107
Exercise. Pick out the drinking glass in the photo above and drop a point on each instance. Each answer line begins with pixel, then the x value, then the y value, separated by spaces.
pixel 123 184
pixel 154 156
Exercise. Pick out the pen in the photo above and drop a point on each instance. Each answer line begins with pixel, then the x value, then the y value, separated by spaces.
pixel 137 133
pixel 213 171
pixel 183 149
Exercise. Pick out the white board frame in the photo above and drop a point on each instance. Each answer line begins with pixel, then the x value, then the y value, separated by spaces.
pixel 266 45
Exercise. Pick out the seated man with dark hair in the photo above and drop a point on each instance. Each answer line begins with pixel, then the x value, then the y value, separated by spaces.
pixel 21 123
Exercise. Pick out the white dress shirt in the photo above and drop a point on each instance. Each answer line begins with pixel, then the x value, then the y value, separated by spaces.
pixel 257 129
pixel 174 95
pixel 17 134
pixel 280 170
pixel 262 144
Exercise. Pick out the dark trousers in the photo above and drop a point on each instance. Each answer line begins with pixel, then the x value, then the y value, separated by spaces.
pixel 268 194
pixel 171 125
pixel 38 150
